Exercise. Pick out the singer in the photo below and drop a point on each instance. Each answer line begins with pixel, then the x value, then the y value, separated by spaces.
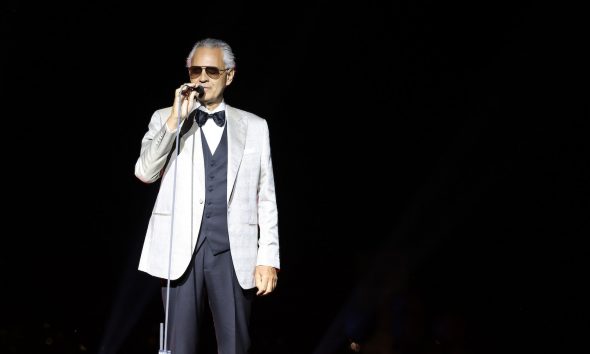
pixel 219 206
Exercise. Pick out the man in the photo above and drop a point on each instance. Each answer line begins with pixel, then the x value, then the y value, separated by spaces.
pixel 216 200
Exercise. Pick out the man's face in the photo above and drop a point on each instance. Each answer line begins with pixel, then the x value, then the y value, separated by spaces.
pixel 214 86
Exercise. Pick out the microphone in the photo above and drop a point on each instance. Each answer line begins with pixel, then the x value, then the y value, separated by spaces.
pixel 188 89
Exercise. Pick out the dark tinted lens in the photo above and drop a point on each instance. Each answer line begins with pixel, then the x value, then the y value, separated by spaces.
pixel 212 72
pixel 195 71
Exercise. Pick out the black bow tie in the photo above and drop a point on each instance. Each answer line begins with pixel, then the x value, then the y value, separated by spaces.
pixel 218 117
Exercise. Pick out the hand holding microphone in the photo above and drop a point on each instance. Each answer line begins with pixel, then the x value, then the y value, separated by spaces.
pixel 187 90
pixel 183 101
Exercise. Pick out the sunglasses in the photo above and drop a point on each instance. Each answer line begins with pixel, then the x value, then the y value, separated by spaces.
pixel 212 71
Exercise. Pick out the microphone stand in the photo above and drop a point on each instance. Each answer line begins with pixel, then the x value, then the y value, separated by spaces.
pixel 164 326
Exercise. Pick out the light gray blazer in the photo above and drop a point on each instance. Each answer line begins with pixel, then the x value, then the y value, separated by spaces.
pixel 252 215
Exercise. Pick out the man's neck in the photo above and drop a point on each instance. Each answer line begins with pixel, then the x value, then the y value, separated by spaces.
pixel 211 105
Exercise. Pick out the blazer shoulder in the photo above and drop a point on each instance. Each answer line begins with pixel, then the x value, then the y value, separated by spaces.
pixel 251 117
pixel 160 115
pixel 163 112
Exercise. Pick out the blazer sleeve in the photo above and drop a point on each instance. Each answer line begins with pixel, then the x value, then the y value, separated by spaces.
pixel 155 146
pixel 268 242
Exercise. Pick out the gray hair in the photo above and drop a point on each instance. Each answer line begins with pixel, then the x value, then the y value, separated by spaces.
pixel 228 54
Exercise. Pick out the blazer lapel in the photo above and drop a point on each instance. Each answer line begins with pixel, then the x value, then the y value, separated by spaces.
pixel 236 140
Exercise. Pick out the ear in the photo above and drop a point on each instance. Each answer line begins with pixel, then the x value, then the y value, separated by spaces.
pixel 230 76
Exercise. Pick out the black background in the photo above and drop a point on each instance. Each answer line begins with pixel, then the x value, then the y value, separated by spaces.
pixel 440 147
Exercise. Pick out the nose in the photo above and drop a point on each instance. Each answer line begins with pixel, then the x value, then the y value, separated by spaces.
pixel 203 77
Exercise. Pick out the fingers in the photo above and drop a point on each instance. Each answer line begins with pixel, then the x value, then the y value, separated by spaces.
pixel 261 281
pixel 184 99
pixel 184 96
pixel 266 286
pixel 187 89
pixel 192 96
pixel 266 280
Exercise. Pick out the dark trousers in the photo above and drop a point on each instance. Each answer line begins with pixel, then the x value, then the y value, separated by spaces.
pixel 209 278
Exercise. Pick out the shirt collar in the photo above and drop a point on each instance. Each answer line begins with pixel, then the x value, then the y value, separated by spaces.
pixel 219 108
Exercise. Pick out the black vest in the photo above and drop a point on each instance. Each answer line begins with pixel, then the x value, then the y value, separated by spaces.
pixel 214 222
